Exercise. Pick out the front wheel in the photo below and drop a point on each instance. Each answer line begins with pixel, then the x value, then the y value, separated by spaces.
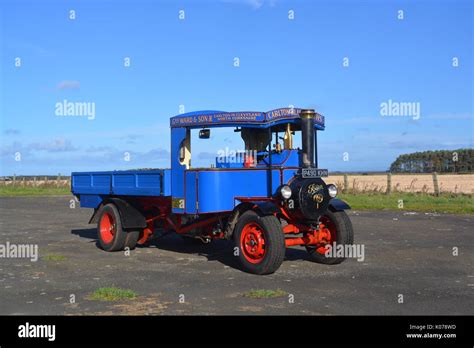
pixel 261 243
pixel 341 232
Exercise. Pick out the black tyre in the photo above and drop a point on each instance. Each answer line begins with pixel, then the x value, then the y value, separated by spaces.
pixel 131 239
pixel 109 229
pixel 261 243
pixel 340 228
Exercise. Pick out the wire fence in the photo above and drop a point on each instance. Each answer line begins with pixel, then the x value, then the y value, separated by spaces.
pixel 387 183
pixel 36 181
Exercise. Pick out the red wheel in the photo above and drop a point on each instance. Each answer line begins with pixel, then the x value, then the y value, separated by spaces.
pixel 261 243
pixel 252 241
pixel 338 228
pixel 107 227
pixel 111 235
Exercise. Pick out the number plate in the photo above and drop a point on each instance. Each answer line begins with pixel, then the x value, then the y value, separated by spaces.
pixel 313 173
pixel 177 203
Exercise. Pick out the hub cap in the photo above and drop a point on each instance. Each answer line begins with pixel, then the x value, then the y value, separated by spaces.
pixel 252 242
pixel 107 228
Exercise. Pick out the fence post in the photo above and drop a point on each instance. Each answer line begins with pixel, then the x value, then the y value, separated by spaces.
pixel 58 179
pixel 435 184
pixel 14 180
pixel 346 183
pixel 389 184
pixel 23 182
pixel 34 181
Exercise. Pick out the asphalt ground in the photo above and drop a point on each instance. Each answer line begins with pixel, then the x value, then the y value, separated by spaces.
pixel 415 264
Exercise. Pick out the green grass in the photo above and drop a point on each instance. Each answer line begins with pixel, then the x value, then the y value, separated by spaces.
pixel 33 191
pixel 445 203
pixel 422 202
pixel 260 293
pixel 55 257
pixel 112 294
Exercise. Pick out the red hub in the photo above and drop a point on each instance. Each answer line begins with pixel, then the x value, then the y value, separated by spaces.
pixel 107 227
pixel 329 229
pixel 252 242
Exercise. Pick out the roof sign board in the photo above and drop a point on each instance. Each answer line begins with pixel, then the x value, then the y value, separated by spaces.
pixel 241 118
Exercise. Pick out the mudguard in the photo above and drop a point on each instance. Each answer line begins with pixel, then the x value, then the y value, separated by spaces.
pixel 266 207
pixel 131 217
pixel 336 204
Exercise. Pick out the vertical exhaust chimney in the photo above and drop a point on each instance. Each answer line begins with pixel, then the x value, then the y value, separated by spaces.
pixel 307 132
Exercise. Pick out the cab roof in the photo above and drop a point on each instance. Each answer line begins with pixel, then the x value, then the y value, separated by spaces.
pixel 243 119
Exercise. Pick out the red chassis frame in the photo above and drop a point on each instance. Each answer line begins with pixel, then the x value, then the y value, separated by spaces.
pixel 159 209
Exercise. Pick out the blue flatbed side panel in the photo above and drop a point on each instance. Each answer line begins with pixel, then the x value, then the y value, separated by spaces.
pixel 217 189
pixel 90 183
pixel 136 184
pixel 90 201
pixel 122 183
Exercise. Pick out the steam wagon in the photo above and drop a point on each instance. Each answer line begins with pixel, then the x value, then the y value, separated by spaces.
pixel 274 197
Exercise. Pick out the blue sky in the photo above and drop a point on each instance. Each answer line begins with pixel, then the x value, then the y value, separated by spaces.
pixel 190 62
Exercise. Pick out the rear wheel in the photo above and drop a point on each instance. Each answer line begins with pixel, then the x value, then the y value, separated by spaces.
pixel 112 237
pixel 261 243
pixel 339 228
pixel 132 239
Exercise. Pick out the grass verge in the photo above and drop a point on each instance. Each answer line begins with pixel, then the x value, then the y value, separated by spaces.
pixel 261 293
pixel 444 203
pixel 422 202
pixel 53 257
pixel 33 191
pixel 112 294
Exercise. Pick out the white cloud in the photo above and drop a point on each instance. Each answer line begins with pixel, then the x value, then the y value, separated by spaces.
pixel 68 84
pixel 11 131
pixel 255 4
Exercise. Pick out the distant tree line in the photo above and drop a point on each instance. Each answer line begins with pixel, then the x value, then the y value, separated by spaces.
pixel 442 161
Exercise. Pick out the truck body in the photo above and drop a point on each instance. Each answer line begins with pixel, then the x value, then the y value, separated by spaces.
pixel 267 197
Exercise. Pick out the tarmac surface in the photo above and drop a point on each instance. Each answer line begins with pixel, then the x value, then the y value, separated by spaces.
pixel 415 264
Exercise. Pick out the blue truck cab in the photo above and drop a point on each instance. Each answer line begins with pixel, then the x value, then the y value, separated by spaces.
pixel 266 197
